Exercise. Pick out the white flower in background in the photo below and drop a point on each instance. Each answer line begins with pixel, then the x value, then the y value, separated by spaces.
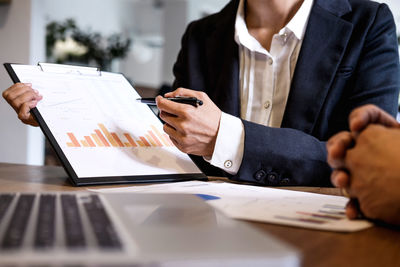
pixel 69 47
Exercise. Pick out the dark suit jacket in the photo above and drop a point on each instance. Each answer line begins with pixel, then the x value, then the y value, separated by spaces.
pixel 349 57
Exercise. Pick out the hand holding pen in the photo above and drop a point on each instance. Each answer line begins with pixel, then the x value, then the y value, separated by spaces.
pixel 192 130
pixel 179 99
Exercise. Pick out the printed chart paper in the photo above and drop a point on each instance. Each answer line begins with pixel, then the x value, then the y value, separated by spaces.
pixel 101 128
pixel 264 204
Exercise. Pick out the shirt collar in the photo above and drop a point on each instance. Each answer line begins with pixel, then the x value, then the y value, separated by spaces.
pixel 297 25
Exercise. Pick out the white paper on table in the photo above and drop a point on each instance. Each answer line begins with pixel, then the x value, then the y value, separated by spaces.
pixel 264 204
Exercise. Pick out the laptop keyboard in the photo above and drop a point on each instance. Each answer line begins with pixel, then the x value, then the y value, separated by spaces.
pixel 19 220
pixel 102 226
pixel 45 228
pixel 74 235
pixel 16 211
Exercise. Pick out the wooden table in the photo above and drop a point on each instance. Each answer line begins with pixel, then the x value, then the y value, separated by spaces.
pixel 377 246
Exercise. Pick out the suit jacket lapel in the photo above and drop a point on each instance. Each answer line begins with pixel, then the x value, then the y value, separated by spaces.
pixel 222 61
pixel 323 47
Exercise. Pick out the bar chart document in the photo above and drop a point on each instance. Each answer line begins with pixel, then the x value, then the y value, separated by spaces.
pixel 98 129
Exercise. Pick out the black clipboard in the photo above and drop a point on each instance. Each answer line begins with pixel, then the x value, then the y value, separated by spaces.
pixel 74 178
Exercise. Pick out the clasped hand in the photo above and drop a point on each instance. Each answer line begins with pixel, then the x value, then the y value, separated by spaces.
pixel 366 162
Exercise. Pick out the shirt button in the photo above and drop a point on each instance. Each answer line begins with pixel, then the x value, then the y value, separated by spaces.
pixel 267 104
pixel 228 164
pixel 270 61
pixel 284 37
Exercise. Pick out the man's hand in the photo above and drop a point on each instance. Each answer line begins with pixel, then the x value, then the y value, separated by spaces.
pixel 363 116
pixel 339 146
pixel 23 98
pixel 193 130
pixel 374 167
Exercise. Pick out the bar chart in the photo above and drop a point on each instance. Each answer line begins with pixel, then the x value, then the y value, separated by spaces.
pixel 102 137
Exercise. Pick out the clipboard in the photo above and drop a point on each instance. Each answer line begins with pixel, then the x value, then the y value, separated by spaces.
pixel 98 130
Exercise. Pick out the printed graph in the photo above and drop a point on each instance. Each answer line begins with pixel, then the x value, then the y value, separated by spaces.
pixel 326 214
pixel 102 137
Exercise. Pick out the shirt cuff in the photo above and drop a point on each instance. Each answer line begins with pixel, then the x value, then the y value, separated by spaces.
pixel 229 146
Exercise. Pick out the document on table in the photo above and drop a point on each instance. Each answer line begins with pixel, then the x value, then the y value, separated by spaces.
pixel 254 203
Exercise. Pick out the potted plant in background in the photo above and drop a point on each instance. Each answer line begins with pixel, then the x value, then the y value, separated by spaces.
pixel 66 43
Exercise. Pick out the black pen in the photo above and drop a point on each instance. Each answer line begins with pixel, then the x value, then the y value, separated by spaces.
pixel 179 99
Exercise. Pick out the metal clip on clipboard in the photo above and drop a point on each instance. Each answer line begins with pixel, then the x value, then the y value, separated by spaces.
pixel 69 69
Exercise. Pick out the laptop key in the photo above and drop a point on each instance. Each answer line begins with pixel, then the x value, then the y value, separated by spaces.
pixel 45 227
pixel 5 201
pixel 74 235
pixel 103 228
pixel 16 229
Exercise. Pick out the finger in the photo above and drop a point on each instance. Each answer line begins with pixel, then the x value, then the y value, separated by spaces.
pixel 16 86
pixel 352 211
pixel 337 147
pixel 169 119
pixel 171 107
pixel 172 133
pixel 16 90
pixel 182 92
pixel 28 96
pixel 24 113
pixel 340 178
pixel 361 117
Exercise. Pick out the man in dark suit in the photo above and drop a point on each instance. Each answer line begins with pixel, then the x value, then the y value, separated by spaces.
pixel 345 55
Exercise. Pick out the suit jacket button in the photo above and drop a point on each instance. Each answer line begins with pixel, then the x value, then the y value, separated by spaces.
pixel 272 177
pixel 285 181
pixel 260 175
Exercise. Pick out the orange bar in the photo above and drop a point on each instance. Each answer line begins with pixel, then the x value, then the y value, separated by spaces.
pixel 160 136
pixel 70 145
pixel 130 140
pixel 97 140
pixel 84 143
pixel 108 135
pixel 140 143
pixel 73 139
pixel 116 138
pixel 100 135
pixel 155 138
pixel 89 141
pixel 127 145
pixel 144 141
pixel 148 137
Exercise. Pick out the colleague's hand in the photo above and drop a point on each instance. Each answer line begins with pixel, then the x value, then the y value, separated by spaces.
pixel 365 115
pixel 374 167
pixel 338 145
pixel 193 130
pixel 22 97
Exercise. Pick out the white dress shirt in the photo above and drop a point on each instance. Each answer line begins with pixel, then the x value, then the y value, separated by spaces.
pixel 265 79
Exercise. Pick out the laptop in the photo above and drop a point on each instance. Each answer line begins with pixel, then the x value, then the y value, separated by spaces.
pixel 89 229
